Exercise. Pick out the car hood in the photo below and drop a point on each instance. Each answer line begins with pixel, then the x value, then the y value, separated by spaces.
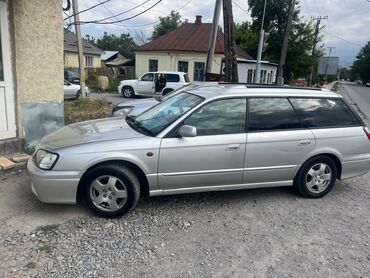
pixel 89 132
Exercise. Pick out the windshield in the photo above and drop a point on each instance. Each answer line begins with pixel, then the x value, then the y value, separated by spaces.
pixel 166 112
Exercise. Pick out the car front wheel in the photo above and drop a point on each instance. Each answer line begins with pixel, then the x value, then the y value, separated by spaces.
pixel 128 92
pixel 111 190
pixel 316 177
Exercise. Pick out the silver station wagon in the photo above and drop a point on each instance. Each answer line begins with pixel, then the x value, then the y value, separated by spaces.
pixel 206 138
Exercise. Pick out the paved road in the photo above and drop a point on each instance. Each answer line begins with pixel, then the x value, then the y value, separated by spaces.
pixel 361 96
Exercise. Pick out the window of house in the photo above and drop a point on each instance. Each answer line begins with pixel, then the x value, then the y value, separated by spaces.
pixel 153 65
pixel 250 76
pixel 1 62
pixel 271 114
pixel 173 78
pixel 225 116
pixel 182 66
pixel 88 61
pixel 322 112
pixel 199 71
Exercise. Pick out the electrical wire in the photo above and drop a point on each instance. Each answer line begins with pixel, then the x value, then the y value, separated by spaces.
pixel 117 21
pixel 338 37
pixel 88 9
pixel 68 6
pixel 240 7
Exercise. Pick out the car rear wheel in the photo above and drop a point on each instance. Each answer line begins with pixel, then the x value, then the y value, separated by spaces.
pixel 128 92
pixel 316 177
pixel 111 190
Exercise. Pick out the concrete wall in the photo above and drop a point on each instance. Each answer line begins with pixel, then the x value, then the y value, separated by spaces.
pixel 168 61
pixel 37 54
pixel 71 60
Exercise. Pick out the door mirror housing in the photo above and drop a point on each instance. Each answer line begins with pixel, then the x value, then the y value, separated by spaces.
pixel 187 131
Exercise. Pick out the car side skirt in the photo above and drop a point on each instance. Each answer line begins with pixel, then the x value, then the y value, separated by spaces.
pixel 159 192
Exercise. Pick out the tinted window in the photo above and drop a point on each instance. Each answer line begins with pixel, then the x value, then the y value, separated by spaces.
pixel 219 117
pixel 173 78
pixel 324 112
pixel 271 114
pixel 147 77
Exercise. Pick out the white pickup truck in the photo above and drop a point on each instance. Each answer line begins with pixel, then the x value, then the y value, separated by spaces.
pixel 153 84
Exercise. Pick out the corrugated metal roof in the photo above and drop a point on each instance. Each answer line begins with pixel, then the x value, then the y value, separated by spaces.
pixel 70 44
pixel 107 54
pixel 190 37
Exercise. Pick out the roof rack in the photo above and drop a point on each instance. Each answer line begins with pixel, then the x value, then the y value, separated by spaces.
pixel 271 86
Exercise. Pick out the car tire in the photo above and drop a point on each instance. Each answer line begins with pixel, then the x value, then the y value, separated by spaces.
pixel 78 95
pixel 128 92
pixel 316 177
pixel 110 190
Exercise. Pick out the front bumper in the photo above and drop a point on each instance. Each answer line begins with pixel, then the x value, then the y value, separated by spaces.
pixel 58 187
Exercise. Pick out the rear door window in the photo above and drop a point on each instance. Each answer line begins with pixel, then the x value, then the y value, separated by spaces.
pixel 173 78
pixel 268 114
pixel 321 112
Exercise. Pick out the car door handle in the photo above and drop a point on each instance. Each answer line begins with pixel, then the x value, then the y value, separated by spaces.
pixel 233 147
pixel 304 142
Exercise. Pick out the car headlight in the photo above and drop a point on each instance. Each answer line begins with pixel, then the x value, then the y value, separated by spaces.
pixel 45 160
pixel 121 111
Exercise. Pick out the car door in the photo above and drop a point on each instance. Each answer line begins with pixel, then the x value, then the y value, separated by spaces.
pixel 276 142
pixel 212 158
pixel 68 90
pixel 145 84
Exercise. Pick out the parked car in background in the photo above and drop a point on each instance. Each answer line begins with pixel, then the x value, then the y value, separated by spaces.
pixel 368 84
pixel 72 76
pixel 359 82
pixel 135 107
pixel 73 91
pixel 153 83
pixel 201 139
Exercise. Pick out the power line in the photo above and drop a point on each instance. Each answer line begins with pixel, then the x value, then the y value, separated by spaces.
pixel 240 7
pixel 119 14
pixel 336 36
pixel 88 9
pixel 121 20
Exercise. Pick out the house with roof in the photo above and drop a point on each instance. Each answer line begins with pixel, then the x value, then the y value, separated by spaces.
pixel 92 53
pixel 119 65
pixel 31 71
pixel 183 49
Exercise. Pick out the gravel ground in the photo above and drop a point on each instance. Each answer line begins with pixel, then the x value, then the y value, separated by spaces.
pixel 248 233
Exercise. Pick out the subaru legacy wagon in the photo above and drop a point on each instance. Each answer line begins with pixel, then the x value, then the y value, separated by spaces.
pixel 209 137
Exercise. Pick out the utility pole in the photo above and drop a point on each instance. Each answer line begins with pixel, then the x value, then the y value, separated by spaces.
pixel 212 38
pixel 79 48
pixel 327 63
pixel 317 28
pixel 257 73
pixel 231 65
pixel 284 47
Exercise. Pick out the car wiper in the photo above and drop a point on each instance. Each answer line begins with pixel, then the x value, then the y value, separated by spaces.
pixel 137 125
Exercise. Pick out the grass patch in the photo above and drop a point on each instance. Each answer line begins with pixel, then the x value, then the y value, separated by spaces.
pixel 85 109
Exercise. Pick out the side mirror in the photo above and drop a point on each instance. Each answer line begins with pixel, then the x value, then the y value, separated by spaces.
pixel 187 131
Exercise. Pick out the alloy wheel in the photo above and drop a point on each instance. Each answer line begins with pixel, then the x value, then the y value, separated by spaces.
pixel 318 178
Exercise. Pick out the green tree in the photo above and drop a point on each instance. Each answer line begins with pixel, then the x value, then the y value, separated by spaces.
pixel 124 43
pixel 167 24
pixel 361 66
pixel 90 39
pixel 299 60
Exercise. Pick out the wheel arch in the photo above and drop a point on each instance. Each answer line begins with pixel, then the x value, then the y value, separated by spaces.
pixel 332 156
pixel 144 184
pixel 129 85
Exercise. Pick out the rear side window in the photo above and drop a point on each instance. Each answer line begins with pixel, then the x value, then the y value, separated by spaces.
pixel 271 114
pixel 322 112
pixel 173 78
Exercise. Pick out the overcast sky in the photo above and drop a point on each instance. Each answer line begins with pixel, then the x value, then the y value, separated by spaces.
pixel 347 27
